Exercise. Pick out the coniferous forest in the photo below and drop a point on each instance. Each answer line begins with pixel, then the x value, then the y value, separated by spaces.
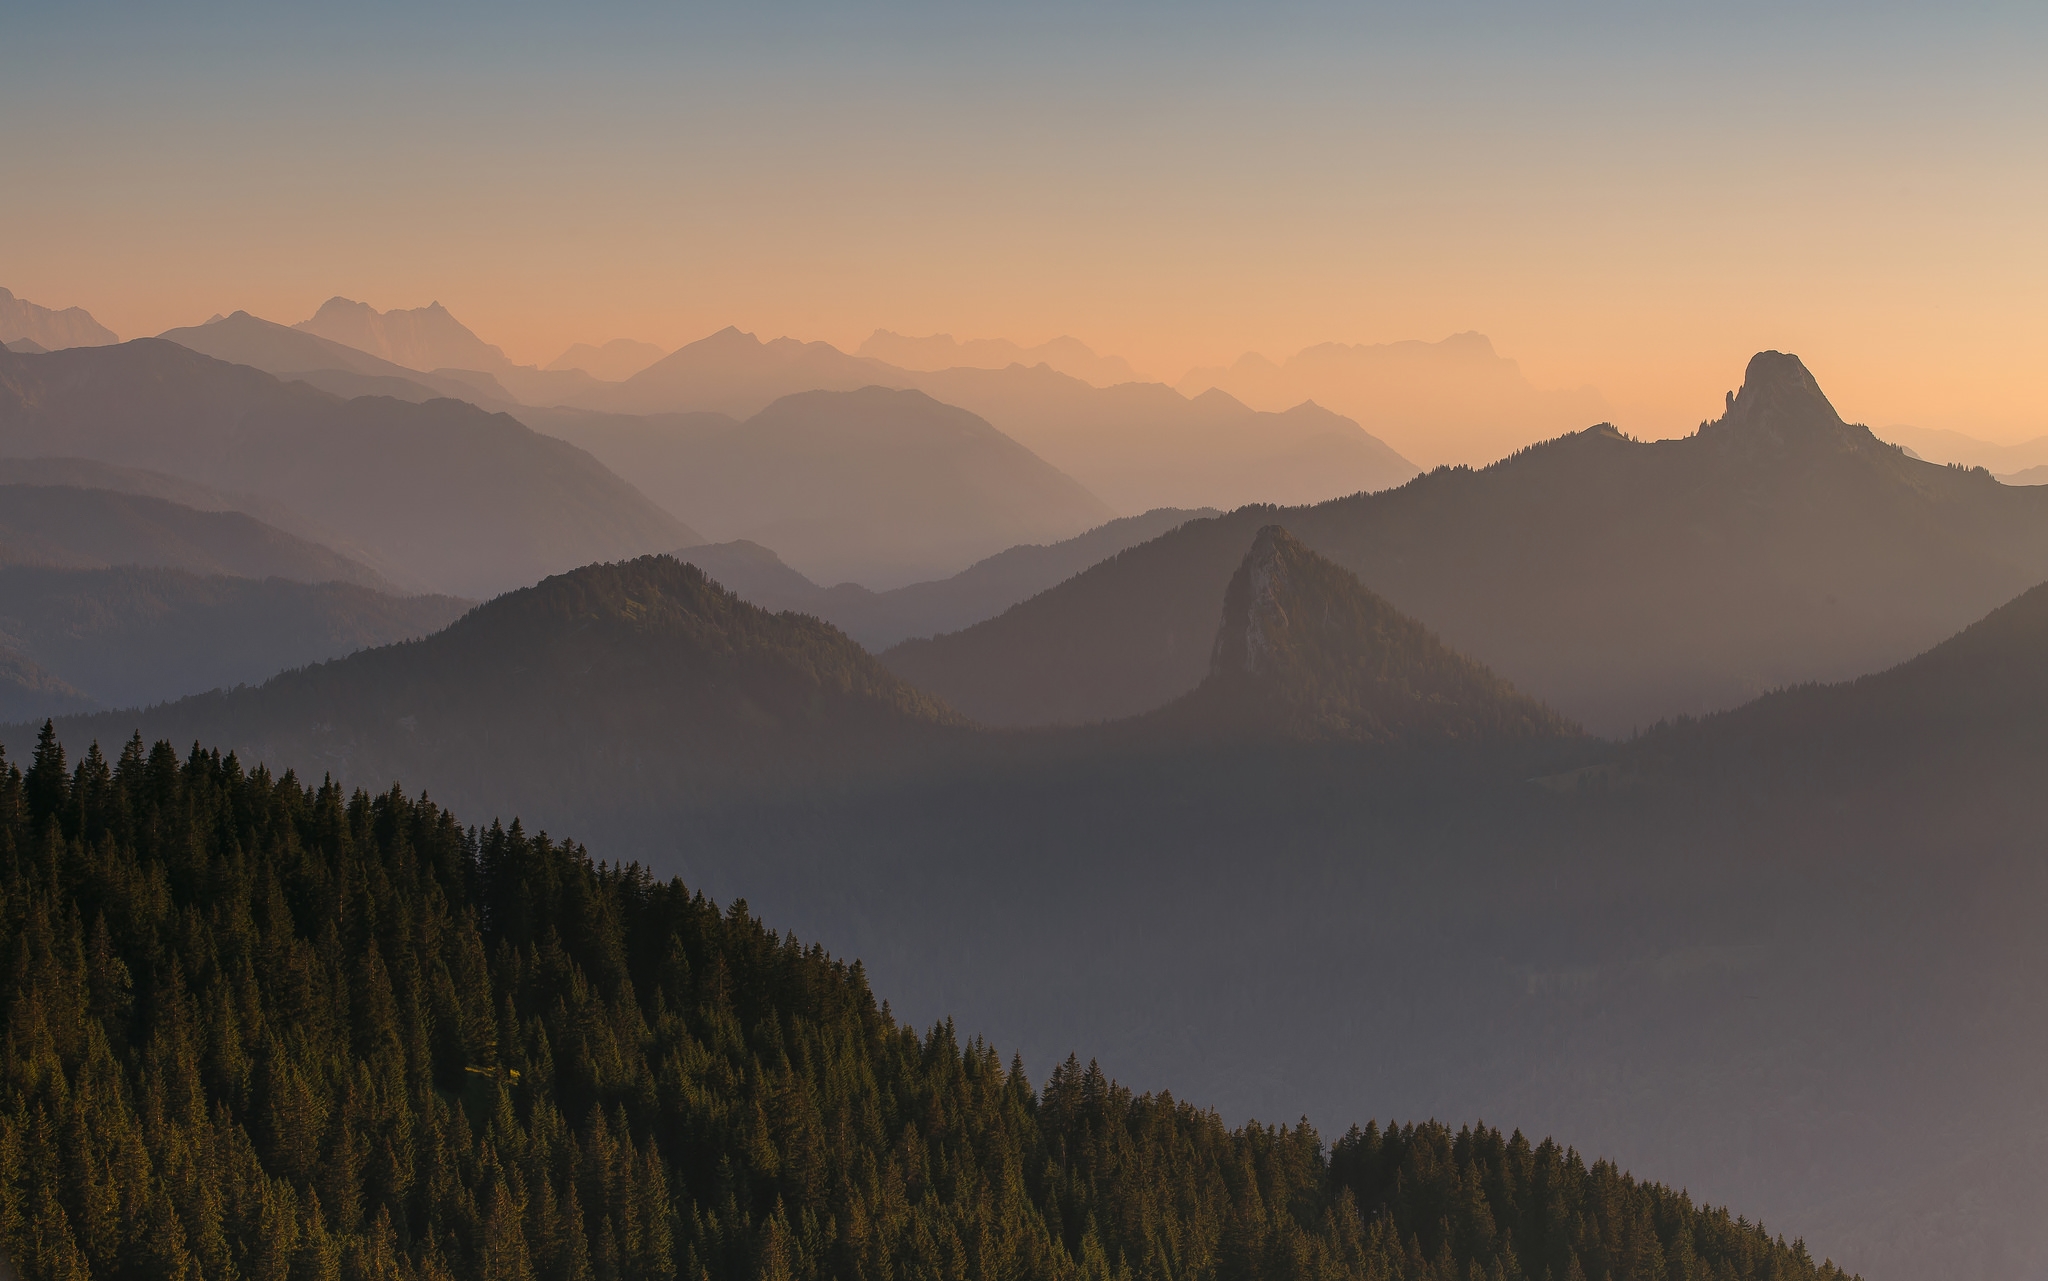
pixel 255 1029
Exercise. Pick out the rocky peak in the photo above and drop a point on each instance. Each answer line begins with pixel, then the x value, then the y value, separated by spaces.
pixel 1780 403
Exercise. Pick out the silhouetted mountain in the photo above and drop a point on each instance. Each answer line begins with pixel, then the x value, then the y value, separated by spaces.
pixel 28 690
pixel 638 684
pixel 27 347
pixel 982 590
pixel 424 338
pixel 131 637
pixel 1136 446
pixel 71 528
pixel 1940 445
pixel 1454 401
pixel 1070 356
pixel 614 362
pixel 428 340
pixel 877 485
pixel 736 374
pixel 1619 581
pixel 49 330
pixel 243 339
pixel 440 495
pixel 1306 652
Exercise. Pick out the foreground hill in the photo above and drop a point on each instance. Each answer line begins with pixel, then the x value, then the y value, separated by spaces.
pixel 1306 652
pixel 982 590
pixel 73 528
pixel 339 1035
pixel 874 485
pixel 134 636
pixel 638 687
pixel 1620 581
pixel 439 495
pixel 1136 446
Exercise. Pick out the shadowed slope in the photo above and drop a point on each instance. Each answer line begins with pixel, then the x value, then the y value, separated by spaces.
pixel 1620 581
pixel 439 495
pixel 640 684
pixel 1307 652
pixel 69 527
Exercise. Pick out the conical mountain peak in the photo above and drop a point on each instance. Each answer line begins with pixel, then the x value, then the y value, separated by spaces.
pixel 1780 402
pixel 1307 651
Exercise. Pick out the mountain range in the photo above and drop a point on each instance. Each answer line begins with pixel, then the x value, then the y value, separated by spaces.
pixel 1455 401
pixel 1336 846
pixel 1136 446
pixel 1069 356
pixel 135 636
pixel 880 486
pixel 24 321
pixel 439 496
pixel 428 339
pixel 1619 581
pixel 614 361
pixel 69 527
pixel 982 590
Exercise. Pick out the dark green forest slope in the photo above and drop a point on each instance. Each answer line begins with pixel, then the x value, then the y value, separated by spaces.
pixel 258 1030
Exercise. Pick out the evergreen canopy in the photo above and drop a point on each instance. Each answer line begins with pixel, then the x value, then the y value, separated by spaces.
pixel 260 1030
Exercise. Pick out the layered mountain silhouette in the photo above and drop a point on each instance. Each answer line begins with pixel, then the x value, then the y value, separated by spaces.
pixel 982 590
pixel 880 486
pixel 614 361
pixel 134 636
pixel 430 340
pixel 1454 401
pixel 440 496
pixel 1306 652
pixel 29 690
pixel 27 347
pixel 637 686
pixel 1069 356
pixel 1136 446
pixel 292 354
pixel 24 321
pixel 1619 581
pixel 423 338
pixel 74 528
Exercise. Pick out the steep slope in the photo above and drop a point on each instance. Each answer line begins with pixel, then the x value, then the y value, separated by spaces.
pixel 1619 581
pixel 49 330
pixel 72 528
pixel 885 487
pixel 1453 401
pixel 132 637
pixel 526 1061
pixel 639 684
pixel 1136 446
pixel 441 495
pixel 1070 356
pixel 982 590
pixel 1305 652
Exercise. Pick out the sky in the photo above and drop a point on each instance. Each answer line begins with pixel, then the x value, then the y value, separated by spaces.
pixel 1629 196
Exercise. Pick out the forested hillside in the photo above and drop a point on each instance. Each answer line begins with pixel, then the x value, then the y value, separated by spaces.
pixel 255 1029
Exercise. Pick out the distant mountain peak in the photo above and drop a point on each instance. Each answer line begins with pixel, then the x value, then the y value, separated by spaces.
pixel 1780 402
pixel 424 338
pixel 1307 651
